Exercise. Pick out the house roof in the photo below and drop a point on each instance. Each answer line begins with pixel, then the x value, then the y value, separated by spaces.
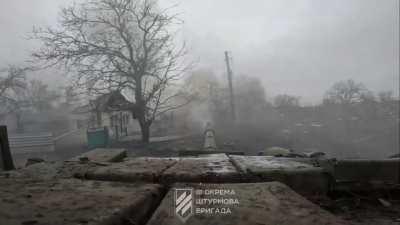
pixel 113 101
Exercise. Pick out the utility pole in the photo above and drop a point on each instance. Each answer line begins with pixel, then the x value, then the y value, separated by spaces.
pixel 229 71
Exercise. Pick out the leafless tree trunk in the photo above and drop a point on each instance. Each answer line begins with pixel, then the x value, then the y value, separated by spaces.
pixel 12 86
pixel 124 45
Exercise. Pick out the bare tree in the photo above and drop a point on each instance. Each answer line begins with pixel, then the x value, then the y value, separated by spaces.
pixel 12 93
pixel 39 95
pixel 346 92
pixel 201 83
pixel 286 101
pixel 69 96
pixel 13 80
pixel 250 98
pixel 126 45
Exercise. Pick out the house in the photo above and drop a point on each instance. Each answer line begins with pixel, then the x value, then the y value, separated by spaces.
pixel 110 110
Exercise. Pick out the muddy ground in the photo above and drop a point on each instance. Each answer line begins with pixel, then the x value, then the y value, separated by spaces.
pixel 364 208
pixel 357 208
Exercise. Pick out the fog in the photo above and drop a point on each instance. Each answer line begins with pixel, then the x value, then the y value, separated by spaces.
pixel 295 47
pixel 307 74
pixel 290 107
pixel 301 47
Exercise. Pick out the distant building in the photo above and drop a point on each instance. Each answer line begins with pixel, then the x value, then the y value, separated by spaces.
pixel 110 110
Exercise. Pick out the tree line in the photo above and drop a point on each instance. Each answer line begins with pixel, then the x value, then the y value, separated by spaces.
pixel 131 46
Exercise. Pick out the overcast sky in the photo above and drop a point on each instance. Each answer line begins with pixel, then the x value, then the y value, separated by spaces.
pixel 298 47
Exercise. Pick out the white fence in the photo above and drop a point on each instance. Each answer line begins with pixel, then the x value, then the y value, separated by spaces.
pixel 31 142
